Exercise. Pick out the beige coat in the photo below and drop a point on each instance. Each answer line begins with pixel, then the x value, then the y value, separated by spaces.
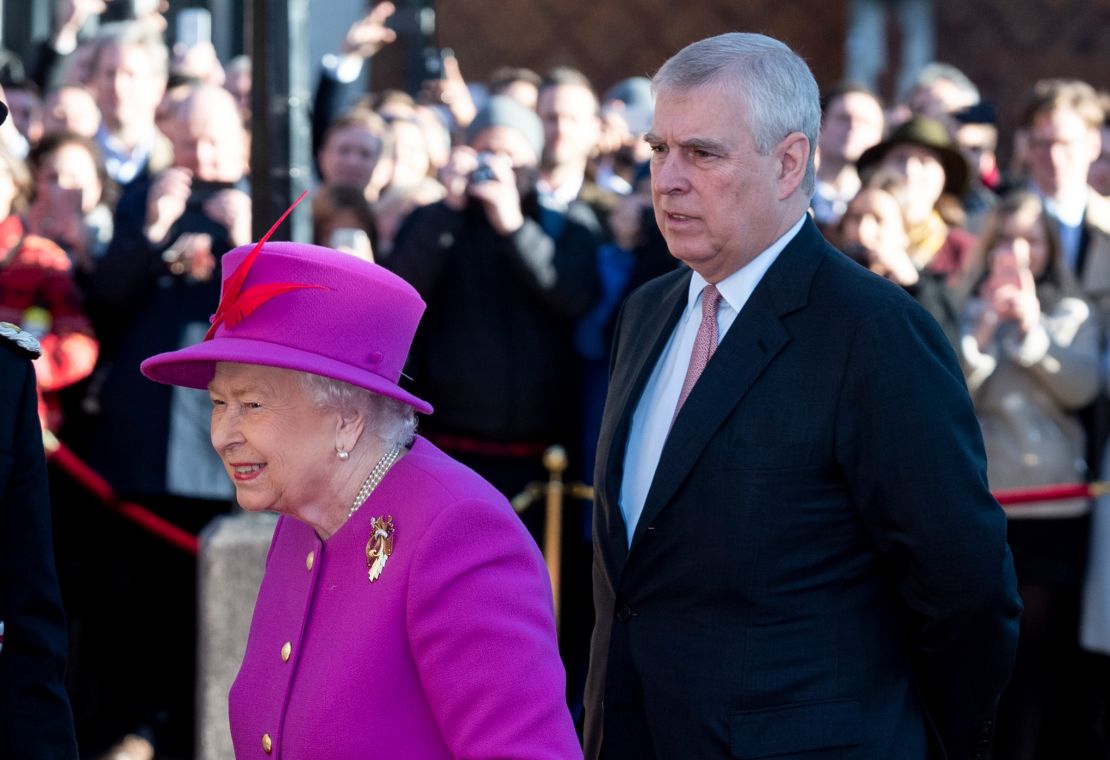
pixel 1025 393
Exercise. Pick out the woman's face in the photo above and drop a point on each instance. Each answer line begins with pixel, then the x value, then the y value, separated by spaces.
pixel 924 176
pixel 277 447
pixel 349 156
pixel 72 168
pixel 1023 233
pixel 874 220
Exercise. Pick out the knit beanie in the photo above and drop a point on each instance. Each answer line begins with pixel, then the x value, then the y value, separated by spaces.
pixel 503 111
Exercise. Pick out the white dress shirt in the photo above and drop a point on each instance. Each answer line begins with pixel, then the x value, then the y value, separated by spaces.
pixel 651 421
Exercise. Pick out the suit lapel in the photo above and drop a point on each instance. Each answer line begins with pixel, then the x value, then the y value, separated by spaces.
pixel 754 340
pixel 649 327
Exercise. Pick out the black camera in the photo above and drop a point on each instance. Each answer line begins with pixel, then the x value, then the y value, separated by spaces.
pixel 202 190
pixel 484 172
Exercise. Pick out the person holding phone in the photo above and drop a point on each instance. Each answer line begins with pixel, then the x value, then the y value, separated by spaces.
pixel 1029 350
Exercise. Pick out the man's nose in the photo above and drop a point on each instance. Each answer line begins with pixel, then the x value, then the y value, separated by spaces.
pixel 666 175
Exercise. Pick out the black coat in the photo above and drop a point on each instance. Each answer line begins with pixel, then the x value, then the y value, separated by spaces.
pixel 493 353
pixel 819 569
pixel 35 718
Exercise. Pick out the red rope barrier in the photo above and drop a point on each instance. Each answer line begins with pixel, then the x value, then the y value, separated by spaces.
pixel 59 454
pixel 1051 493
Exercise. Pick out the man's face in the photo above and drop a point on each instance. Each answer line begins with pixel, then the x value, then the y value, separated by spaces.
pixel 717 200
pixel 210 142
pixel 570 124
pixel 126 87
pixel 853 123
pixel 1062 147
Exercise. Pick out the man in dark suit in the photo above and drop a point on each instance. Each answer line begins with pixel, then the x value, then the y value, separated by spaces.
pixel 35 718
pixel 796 551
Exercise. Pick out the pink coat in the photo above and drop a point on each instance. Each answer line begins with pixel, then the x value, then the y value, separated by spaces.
pixel 450 653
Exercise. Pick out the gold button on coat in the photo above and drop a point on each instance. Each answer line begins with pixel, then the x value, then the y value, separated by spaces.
pixel 267 744
pixel 309 560
pixel 286 650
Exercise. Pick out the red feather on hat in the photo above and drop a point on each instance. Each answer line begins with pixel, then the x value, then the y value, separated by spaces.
pixel 237 303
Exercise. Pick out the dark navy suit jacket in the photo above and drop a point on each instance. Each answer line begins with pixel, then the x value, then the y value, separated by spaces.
pixel 35 718
pixel 819 570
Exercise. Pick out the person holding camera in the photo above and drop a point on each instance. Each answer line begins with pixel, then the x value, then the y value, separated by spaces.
pixel 505 279
pixel 153 291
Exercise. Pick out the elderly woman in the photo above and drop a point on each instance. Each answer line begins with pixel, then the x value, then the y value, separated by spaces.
pixel 404 612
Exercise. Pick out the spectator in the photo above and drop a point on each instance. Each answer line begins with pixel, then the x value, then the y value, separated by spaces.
pixel 71 108
pixel 128 70
pixel 503 290
pixel 1030 354
pixel 977 137
pixel 935 174
pixel 72 203
pixel 940 90
pixel 1062 121
pixel 873 232
pixel 337 87
pixel 519 83
pixel 568 109
pixel 357 151
pixel 38 293
pixel 626 112
pixel 851 122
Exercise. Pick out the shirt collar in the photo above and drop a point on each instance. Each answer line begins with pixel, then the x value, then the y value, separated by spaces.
pixel 737 288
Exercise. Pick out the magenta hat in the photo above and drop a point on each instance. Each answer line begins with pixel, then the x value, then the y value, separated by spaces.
pixel 309 308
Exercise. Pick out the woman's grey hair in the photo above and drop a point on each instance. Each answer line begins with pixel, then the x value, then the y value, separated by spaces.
pixel 780 92
pixel 393 421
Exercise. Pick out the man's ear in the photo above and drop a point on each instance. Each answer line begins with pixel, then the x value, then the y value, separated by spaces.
pixel 792 154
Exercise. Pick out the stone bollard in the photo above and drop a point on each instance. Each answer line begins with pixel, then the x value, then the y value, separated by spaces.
pixel 232 558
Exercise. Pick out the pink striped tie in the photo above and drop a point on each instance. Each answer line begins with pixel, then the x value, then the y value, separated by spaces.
pixel 705 343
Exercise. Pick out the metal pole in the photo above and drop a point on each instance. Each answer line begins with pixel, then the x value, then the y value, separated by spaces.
pixel 281 141
pixel 555 460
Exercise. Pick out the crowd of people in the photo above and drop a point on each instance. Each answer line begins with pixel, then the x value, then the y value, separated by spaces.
pixel 520 210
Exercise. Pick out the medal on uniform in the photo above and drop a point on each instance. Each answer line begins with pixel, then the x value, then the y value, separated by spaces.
pixel 380 545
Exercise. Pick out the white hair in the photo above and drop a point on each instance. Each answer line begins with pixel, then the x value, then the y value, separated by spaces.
pixel 780 92
pixel 393 421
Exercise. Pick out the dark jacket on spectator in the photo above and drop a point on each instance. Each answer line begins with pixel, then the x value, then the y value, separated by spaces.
pixel 493 354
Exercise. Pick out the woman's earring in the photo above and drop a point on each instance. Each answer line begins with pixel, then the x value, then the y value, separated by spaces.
pixel 343 454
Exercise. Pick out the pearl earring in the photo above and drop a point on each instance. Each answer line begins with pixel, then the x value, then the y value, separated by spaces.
pixel 342 454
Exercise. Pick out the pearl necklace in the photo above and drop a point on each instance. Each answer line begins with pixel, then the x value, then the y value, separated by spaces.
pixel 375 477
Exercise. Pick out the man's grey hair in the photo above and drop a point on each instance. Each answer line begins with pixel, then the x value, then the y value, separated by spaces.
pixel 778 88
pixel 393 421
pixel 938 71
pixel 137 34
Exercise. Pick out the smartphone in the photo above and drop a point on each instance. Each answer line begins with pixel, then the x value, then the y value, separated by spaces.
pixel 193 27
pixel 433 62
pixel 352 240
